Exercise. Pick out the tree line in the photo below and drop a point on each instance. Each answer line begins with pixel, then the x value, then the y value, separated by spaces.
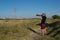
pixel 54 17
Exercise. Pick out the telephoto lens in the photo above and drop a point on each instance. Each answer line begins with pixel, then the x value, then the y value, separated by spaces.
pixel 38 15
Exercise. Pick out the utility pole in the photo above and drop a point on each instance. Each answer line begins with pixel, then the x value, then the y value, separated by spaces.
pixel 14 13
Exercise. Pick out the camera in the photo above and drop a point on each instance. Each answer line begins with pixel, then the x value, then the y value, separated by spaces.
pixel 38 15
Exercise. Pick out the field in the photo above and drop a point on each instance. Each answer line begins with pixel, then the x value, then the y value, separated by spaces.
pixel 28 29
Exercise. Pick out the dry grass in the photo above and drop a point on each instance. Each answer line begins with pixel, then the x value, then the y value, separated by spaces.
pixel 17 29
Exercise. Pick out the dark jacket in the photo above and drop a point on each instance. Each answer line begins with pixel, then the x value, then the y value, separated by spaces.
pixel 43 20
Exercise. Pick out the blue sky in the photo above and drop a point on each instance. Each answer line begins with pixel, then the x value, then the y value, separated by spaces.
pixel 29 8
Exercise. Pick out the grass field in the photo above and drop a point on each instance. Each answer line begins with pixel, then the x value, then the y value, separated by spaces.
pixel 28 30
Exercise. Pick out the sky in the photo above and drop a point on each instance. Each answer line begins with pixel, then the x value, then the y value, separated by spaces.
pixel 28 8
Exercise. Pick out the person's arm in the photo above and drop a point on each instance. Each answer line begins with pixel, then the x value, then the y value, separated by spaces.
pixel 41 17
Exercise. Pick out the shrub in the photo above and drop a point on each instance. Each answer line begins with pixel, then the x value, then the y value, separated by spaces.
pixel 56 17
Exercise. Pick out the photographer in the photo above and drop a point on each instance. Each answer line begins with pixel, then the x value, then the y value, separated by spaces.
pixel 43 26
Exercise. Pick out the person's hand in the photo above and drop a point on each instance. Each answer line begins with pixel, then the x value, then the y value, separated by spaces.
pixel 41 17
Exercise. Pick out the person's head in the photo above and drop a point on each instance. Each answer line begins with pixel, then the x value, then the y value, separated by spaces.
pixel 43 14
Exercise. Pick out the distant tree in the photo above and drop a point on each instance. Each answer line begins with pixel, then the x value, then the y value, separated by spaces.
pixel 56 17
